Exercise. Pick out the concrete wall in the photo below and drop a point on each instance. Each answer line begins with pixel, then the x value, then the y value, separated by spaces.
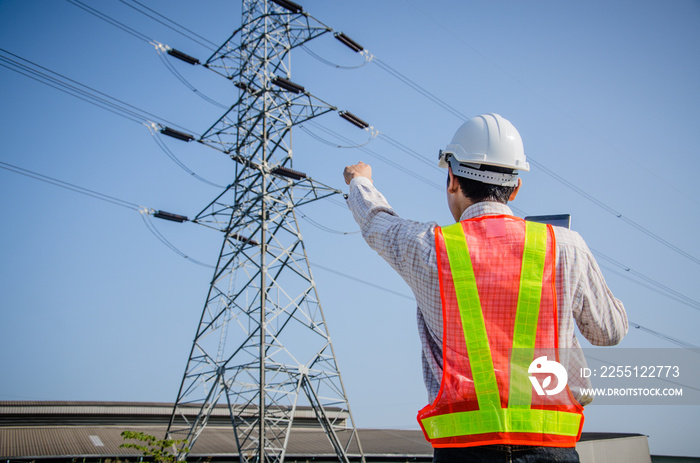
pixel 622 450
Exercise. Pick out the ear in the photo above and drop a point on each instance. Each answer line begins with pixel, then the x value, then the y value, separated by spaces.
pixel 515 192
pixel 453 183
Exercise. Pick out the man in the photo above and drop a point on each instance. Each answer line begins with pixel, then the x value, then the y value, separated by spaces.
pixel 497 301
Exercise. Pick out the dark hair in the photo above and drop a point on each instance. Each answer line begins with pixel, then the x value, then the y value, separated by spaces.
pixel 478 191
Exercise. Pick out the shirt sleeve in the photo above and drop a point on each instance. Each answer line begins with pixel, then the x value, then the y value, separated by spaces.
pixel 408 246
pixel 599 315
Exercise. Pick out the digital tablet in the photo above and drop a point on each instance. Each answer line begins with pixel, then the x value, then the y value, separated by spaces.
pixel 559 220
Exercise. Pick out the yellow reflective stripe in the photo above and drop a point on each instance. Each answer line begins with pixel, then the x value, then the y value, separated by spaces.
pixel 502 420
pixel 527 314
pixel 475 336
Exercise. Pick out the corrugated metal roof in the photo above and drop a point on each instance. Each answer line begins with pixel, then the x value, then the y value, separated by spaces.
pixel 128 408
pixel 75 441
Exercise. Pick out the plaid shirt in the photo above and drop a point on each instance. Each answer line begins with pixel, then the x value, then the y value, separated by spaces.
pixel 409 247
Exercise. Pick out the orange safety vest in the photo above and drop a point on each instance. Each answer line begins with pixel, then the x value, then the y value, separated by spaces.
pixel 499 311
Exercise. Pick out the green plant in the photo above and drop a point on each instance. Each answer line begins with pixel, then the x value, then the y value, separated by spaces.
pixel 157 449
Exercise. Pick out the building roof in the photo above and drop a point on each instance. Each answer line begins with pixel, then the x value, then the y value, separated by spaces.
pixel 62 431
pixel 38 430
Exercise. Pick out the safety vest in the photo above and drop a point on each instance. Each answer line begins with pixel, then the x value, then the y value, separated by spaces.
pixel 499 312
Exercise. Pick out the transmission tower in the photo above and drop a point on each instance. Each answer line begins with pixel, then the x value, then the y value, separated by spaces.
pixel 262 349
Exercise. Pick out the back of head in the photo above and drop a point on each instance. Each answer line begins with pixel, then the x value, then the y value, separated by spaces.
pixel 485 154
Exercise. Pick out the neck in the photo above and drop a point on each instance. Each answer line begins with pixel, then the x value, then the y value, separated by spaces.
pixel 460 204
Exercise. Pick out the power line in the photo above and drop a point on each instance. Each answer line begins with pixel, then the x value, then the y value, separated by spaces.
pixel 112 21
pixel 650 283
pixel 665 337
pixel 74 88
pixel 613 211
pixel 145 216
pixel 335 145
pixel 169 66
pixel 329 63
pixel 158 46
pixel 177 161
pixel 177 27
pixel 95 97
pixel 374 154
pixel 419 89
pixel 364 282
pixel 70 186
pixel 100 99
pixel 411 152
pixel 47 80
pixel 320 226
pixel 146 213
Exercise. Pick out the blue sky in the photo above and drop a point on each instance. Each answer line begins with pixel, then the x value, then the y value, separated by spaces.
pixel 94 307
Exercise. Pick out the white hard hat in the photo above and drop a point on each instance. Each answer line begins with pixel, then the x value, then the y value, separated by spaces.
pixel 486 140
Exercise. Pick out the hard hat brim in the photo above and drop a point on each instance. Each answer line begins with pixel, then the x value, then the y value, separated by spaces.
pixel 484 176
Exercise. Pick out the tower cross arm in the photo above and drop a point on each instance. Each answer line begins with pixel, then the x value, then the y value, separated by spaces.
pixel 312 190
pixel 227 136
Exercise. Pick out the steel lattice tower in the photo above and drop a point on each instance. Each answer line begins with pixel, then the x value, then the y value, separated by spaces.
pixel 262 348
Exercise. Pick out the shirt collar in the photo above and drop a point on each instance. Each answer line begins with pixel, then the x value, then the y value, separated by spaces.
pixel 485 208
